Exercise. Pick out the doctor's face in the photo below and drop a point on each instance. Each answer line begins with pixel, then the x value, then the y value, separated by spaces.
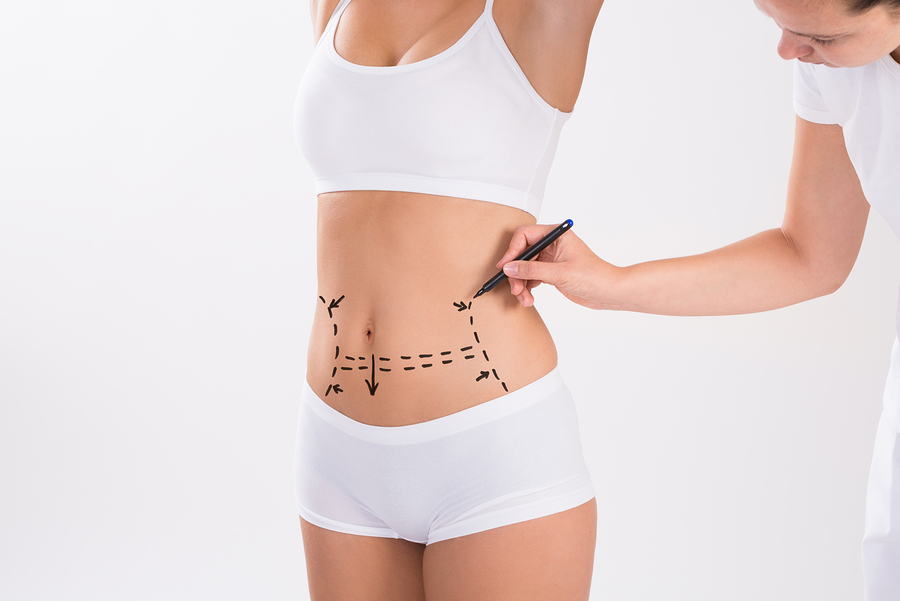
pixel 826 32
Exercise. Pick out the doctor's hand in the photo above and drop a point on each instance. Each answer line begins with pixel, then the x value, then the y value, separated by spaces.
pixel 568 264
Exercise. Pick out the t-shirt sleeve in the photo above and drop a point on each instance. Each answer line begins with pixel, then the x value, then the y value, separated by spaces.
pixel 808 101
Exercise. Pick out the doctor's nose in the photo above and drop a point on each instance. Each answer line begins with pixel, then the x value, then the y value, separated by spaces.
pixel 792 46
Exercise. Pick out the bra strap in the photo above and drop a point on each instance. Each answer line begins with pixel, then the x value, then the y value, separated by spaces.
pixel 335 17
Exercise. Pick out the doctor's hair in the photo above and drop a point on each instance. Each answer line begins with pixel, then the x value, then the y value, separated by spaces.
pixel 858 7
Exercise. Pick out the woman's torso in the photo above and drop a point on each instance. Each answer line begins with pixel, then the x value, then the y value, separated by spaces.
pixel 397 338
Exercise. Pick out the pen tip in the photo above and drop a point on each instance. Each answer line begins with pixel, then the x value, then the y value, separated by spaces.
pixel 479 293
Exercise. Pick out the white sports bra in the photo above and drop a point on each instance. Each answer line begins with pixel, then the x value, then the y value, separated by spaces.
pixel 464 123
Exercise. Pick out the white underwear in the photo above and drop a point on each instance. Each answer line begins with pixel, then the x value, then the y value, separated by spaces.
pixel 511 459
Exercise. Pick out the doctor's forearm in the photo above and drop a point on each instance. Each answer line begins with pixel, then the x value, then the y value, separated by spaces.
pixel 766 271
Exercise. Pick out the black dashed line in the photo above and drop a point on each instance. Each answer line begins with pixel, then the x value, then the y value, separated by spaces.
pixel 486 358
pixel 333 372
pixel 504 387
pixel 446 352
pixel 470 304
pixel 471 320
pixel 362 358
pixel 337 351
pixel 383 369
pixel 363 367
pixel 408 368
pixel 466 348
pixel 470 356
pixel 347 369
pixel 447 361
pixel 405 358
pixel 495 374
pixel 425 356
pixel 321 299
pixel 383 359
pixel 349 358
pixel 476 337
pixel 426 365
pixel 329 386
pixel 335 329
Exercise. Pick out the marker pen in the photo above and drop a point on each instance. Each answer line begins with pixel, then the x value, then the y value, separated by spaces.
pixel 529 254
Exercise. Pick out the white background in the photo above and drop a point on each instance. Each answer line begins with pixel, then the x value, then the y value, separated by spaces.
pixel 157 283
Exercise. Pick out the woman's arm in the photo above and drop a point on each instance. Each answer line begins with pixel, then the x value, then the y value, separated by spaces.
pixel 809 256
pixel 549 40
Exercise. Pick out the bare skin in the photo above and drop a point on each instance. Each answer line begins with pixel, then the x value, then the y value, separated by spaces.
pixel 374 249
pixel 374 253
pixel 810 255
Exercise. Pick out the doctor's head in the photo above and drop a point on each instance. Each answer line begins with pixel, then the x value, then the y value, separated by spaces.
pixel 836 33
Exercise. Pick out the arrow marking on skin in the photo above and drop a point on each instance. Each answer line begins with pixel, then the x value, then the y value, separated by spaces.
pixel 373 386
pixel 335 304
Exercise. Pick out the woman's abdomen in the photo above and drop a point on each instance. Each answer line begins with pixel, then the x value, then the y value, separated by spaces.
pixel 397 338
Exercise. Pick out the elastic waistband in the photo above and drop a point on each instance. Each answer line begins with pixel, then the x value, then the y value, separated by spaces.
pixel 448 425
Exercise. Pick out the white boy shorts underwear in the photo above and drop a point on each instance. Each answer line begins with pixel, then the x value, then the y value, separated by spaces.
pixel 511 459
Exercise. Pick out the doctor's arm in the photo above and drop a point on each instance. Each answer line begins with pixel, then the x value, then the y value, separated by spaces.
pixel 810 255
